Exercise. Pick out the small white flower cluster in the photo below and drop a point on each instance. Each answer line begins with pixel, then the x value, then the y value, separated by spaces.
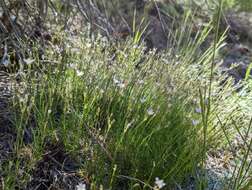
pixel 141 82
pixel 74 67
pixel 159 183
pixel 119 83
pixel 150 111
pixel 79 73
pixel 143 100
pixel 24 98
pixel 81 186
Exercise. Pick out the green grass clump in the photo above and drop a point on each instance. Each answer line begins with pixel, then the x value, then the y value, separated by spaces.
pixel 125 115
pixel 123 111
pixel 127 118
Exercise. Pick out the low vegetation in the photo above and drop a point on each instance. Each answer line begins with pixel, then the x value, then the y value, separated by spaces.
pixel 95 113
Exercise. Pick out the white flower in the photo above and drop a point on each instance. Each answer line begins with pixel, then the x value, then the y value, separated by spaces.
pixel 150 111
pixel 195 122
pixel 141 82
pixel 49 111
pixel 116 81
pixel 119 83
pixel 143 99
pixel 159 183
pixel 88 45
pixel 81 186
pixel 72 65
pixel 6 62
pixel 79 73
pixel 198 110
pixel 13 17
pixel 29 61
pixel 135 46
pixel 58 49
